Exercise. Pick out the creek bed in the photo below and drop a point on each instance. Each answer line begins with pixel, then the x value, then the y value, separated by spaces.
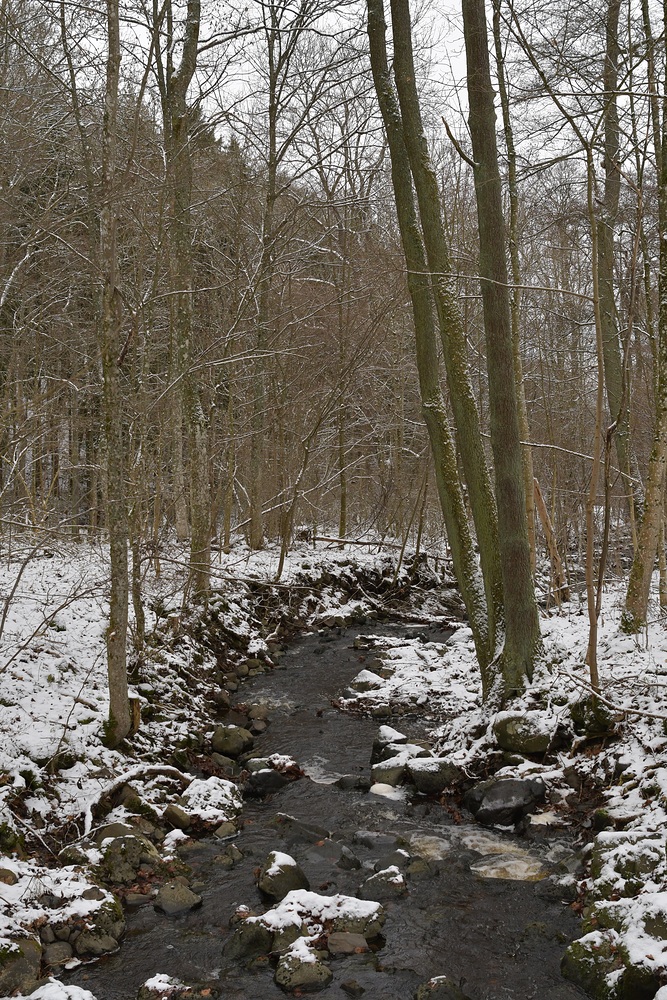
pixel 501 938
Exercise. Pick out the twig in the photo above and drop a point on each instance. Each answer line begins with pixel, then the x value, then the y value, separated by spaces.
pixel 457 145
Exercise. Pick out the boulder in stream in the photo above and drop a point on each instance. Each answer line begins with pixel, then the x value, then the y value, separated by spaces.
pixel 503 801
pixel 301 969
pixel 231 741
pixel 281 874
pixel 385 736
pixel 175 897
pixel 432 775
pixel 386 884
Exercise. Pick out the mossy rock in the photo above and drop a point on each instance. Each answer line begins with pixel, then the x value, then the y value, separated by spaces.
pixel 20 961
pixel 589 961
pixel 591 717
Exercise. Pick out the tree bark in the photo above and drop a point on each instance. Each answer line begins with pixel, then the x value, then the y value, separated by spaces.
pixel 110 345
pixel 466 417
pixel 433 405
pixel 614 363
pixel 522 629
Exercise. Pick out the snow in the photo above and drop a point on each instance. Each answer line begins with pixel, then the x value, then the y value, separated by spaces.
pixel 213 800
pixel 301 905
pixel 54 703
pixel 55 990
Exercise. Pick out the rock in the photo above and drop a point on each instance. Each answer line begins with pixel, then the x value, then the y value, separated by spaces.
pixel 408 750
pixel 163 987
pixel 389 772
pixel 386 884
pixel 176 817
pixel 344 943
pixel 348 861
pixel 385 736
pixel 397 859
pixel 47 934
pixel 225 830
pixel 381 712
pixel 112 830
pixel 266 782
pixel 280 875
pixel 249 939
pixel 94 892
pixel 440 988
pixel 221 700
pixel 431 775
pixel 58 953
pixel 8 877
pixel 108 919
pixel 257 727
pixel 88 943
pixel 366 680
pixel 588 962
pixel 259 713
pixel 352 988
pixel 504 800
pixel 231 741
pixel 20 960
pixel 124 855
pixel 174 897
pixel 226 764
pixel 300 969
pixel 591 717
pixel 524 732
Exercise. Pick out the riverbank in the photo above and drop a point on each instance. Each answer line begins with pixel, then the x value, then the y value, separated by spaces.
pixel 61 788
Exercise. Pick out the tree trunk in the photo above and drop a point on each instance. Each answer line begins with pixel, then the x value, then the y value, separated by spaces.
pixel 639 586
pixel 524 426
pixel 466 417
pixel 522 629
pixel 110 345
pixel 433 406
pixel 614 362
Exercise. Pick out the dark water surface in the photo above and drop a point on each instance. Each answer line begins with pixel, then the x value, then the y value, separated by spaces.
pixel 502 939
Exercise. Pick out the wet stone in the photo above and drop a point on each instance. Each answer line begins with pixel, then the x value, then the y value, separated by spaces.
pixel 95 944
pixel 293 973
pixel 504 800
pixel 174 898
pixel 231 741
pixel 352 988
pixel 387 884
pixel 280 875
pixel 58 953
pixel 266 782
pixel 342 943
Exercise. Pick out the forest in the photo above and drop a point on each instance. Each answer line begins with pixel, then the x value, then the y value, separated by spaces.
pixel 315 313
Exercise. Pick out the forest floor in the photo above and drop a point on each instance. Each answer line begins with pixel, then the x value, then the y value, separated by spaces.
pixel 604 767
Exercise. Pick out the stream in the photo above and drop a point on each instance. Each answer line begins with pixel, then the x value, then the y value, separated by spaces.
pixel 498 937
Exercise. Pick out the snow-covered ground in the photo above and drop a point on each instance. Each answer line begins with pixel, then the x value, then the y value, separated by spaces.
pixel 54 768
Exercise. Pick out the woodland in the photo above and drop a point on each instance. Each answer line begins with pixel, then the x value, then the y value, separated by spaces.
pixel 310 270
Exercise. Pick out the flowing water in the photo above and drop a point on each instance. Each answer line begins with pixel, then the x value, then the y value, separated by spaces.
pixel 484 913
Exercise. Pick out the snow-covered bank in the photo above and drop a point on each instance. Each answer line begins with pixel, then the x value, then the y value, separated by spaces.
pixel 58 781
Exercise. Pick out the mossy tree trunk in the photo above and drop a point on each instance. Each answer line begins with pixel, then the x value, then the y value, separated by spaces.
pixel 522 629
pixel 421 294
